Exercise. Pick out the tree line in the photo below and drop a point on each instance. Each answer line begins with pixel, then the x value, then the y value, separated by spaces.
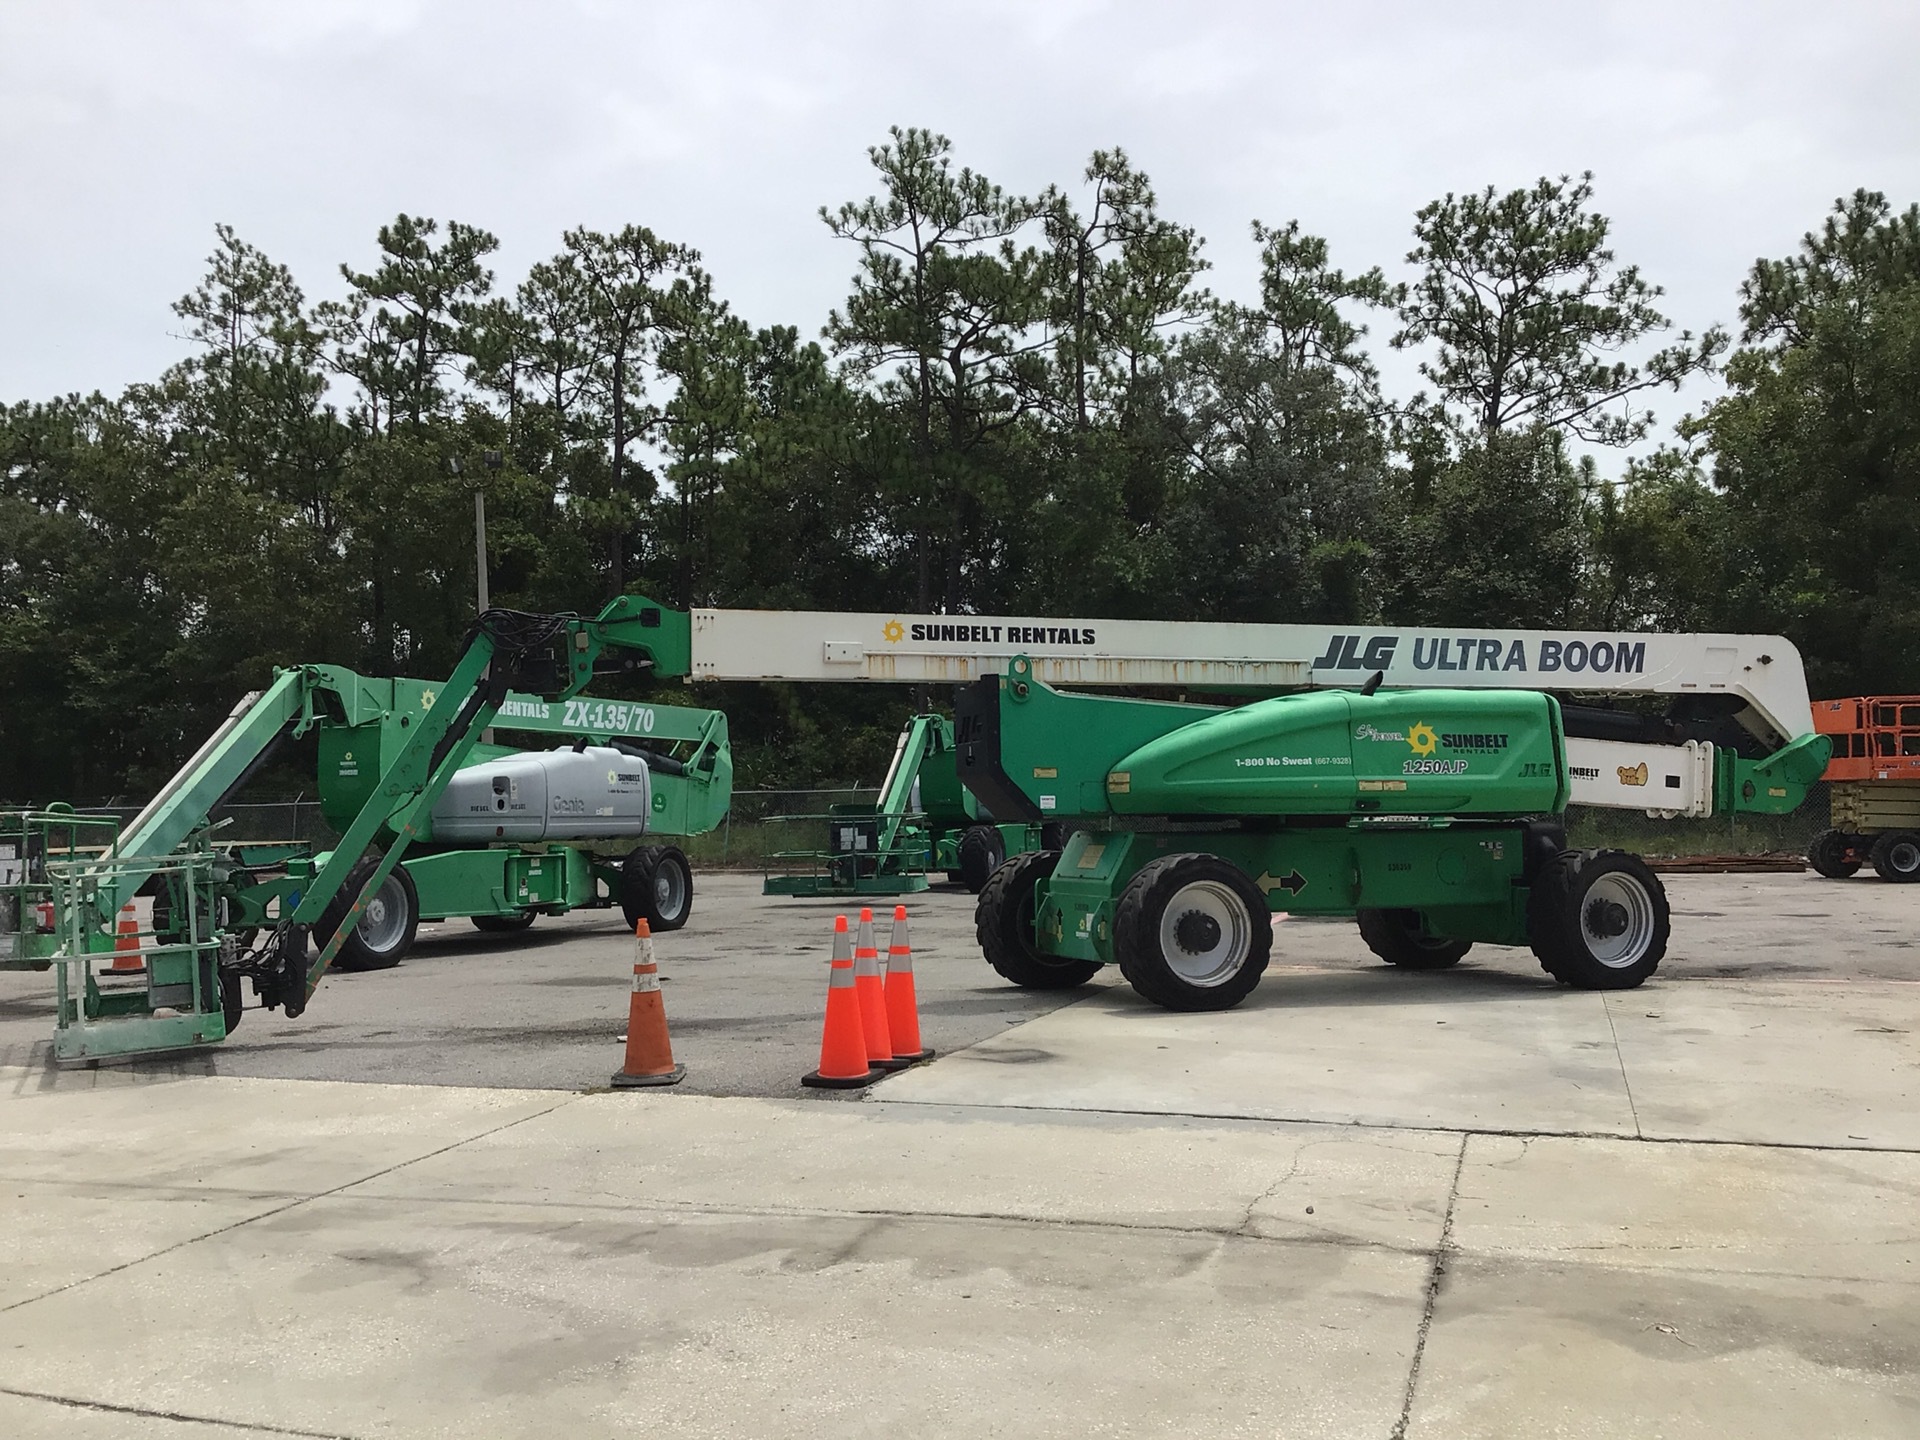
pixel 1025 404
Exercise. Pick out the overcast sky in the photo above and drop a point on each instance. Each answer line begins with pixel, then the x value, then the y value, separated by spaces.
pixel 1717 132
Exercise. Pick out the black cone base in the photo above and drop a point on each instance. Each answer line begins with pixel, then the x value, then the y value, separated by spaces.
pixel 840 1082
pixel 624 1081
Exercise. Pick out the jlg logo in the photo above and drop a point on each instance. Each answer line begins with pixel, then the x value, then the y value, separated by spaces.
pixel 1344 653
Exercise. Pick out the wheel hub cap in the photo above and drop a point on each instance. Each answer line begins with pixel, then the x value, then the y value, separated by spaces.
pixel 1607 918
pixel 1197 932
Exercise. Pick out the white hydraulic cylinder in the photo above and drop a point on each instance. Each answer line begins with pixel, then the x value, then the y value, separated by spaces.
pixel 1663 780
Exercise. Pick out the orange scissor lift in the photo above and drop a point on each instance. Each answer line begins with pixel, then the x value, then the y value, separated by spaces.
pixel 1874 780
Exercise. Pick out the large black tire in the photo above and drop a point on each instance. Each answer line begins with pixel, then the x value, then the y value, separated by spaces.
pixel 1834 854
pixel 1399 937
pixel 656 885
pixel 1192 932
pixel 504 924
pixel 386 928
pixel 1896 856
pixel 981 852
pixel 1004 922
pixel 230 1005
pixel 1598 919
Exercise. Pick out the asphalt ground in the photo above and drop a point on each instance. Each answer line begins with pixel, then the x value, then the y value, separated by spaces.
pixel 745 982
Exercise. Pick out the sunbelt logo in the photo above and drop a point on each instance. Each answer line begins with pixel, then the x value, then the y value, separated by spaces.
pixel 1418 737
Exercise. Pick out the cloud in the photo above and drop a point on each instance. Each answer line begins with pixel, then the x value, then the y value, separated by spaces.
pixel 1718 132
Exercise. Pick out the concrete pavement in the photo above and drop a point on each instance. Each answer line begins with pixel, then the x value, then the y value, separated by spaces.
pixel 1365 1204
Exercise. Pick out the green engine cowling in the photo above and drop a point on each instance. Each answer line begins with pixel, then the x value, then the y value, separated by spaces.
pixel 1034 752
pixel 1406 752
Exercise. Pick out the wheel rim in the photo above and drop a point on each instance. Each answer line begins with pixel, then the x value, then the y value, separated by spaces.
pixel 1617 921
pixel 1904 856
pixel 1205 934
pixel 669 890
pixel 384 920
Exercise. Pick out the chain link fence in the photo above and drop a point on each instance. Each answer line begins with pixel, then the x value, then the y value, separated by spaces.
pixel 761 824
pixel 764 823
pixel 251 822
pixel 1590 827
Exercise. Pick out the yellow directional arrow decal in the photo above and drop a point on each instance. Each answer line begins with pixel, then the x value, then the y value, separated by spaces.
pixel 1293 882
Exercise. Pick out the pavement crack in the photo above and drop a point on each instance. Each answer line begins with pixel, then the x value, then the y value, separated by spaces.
pixel 293 1204
pixel 1435 1278
pixel 1245 1227
pixel 1410 1127
pixel 252 1427
pixel 672 1209
pixel 1621 1060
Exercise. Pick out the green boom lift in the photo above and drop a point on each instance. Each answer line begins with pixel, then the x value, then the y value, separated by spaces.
pixel 923 819
pixel 1432 816
pixel 390 750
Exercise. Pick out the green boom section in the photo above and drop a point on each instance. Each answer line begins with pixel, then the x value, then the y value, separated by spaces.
pixel 1775 785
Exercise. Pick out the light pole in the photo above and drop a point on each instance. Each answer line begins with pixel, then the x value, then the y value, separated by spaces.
pixel 491 459
pixel 480 544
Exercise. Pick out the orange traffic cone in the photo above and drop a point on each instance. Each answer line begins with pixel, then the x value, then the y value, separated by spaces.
pixel 903 1012
pixel 649 1051
pixel 843 1042
pixel 126 945
pixel 870 985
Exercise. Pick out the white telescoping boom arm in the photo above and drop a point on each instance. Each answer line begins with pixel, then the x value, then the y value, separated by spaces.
pixel 1763 671
pixel 1762 674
